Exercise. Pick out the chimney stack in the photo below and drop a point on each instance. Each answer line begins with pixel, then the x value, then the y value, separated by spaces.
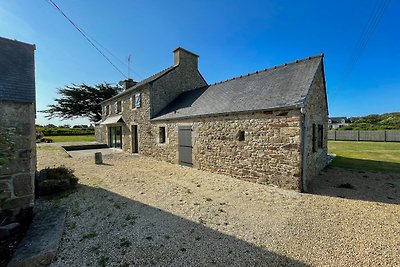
pixel 126 84
pixel 185 57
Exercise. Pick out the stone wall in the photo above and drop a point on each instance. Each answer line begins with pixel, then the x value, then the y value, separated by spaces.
pixel 316 112
pixel 17 159
pixel 166 89
pixel 99 132
pixel 270 153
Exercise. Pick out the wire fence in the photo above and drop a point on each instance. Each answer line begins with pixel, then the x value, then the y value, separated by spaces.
pixel 377 136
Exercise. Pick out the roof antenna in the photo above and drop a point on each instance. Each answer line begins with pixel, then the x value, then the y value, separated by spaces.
pixel 129 66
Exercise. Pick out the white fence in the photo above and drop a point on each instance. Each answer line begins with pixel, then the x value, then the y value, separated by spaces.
pixel 378 136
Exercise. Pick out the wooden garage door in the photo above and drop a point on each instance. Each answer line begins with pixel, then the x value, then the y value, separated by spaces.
pixel 185 145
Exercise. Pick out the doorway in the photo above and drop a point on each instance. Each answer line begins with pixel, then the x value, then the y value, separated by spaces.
pixel 115 136
pixel 185 145
pixel 135 139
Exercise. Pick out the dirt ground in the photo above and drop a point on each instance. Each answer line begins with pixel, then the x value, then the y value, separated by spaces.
pixel 136 211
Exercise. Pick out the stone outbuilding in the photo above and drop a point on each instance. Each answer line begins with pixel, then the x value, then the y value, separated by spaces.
pixel 17 130
pixel 268 127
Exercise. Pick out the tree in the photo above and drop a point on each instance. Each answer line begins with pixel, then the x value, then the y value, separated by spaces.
pixel 81 101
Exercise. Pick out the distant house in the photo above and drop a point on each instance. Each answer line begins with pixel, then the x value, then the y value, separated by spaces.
pixel 268 127
pixel 17 130
pixel 338 122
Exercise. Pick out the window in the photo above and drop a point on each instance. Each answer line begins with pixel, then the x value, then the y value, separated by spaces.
pixel 107 110
pixel 314 137
pixel 320 136
pixel 241 136
pixel 161 138
pixel 118 107
pixel 317 136
pixel 138 100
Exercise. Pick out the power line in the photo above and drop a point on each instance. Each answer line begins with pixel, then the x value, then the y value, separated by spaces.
pixel 373 21
pixel 86 37
pixel 109 52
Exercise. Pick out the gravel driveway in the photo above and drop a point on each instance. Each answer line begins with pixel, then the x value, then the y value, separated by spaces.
pixel 136 211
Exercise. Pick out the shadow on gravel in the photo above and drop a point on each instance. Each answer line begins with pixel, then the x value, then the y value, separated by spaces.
pixel 135 234
pixel 358 184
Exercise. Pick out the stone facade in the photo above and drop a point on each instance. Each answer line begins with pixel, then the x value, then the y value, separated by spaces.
pixel 269 153
pixel 17 131
pixel 316 113
pixel 272 149
pixel 18 158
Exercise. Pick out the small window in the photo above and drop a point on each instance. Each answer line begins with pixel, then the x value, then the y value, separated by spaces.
pixel 241 136
pixel 118 107
pixel 107 110
pixel 161 138
pixel 320 136
pixel 138 100
pixel 314 137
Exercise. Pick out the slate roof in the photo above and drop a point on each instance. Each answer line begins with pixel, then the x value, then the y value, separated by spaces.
pixel 143 82
pixel 17 71
pixel 284 86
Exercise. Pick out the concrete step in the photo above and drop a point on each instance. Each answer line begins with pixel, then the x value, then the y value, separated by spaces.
pixel 40 243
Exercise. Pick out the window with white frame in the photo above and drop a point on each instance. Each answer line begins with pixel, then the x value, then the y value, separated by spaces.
pixel 118 107
pixel 136 100
pixel 107 110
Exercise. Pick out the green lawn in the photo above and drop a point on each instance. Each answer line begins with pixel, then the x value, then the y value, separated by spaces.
pixel 368 156
pixel 72 138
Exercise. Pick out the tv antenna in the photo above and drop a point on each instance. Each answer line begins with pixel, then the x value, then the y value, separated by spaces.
pixel 129 66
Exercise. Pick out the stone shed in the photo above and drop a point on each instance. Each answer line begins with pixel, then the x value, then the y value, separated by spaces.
pixel 17 130
pixel 269 126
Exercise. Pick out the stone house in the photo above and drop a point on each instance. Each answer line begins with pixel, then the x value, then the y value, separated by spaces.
pixel 17 131
pixel 268 127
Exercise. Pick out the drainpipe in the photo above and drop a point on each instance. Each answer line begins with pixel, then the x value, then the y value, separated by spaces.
pixel 304 151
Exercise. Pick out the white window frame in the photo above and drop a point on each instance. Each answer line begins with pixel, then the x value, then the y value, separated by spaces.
pixel 138 100
pixel 116 107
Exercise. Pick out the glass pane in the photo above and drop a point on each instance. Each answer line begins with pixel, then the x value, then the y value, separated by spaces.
pixel 118 137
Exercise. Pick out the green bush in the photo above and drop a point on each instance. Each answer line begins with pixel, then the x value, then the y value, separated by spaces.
pixel 54 180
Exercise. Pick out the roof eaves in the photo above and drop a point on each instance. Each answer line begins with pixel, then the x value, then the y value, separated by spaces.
pixel 289 107
pixel 122 93
pixel 141 83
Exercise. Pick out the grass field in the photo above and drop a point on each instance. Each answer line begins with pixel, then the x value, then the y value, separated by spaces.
pixel 72 138
pixel 368 156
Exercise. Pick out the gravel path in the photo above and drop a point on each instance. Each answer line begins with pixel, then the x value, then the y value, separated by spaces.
pixel 136 211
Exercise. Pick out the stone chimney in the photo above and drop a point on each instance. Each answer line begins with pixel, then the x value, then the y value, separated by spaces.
pixel 185 58
pixel 126 84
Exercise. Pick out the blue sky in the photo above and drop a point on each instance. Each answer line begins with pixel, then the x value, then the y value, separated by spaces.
pixel 231 37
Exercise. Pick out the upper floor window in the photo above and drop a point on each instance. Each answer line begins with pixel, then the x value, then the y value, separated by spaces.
pixel 107 110
pixel 118 106
pixel 136 101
